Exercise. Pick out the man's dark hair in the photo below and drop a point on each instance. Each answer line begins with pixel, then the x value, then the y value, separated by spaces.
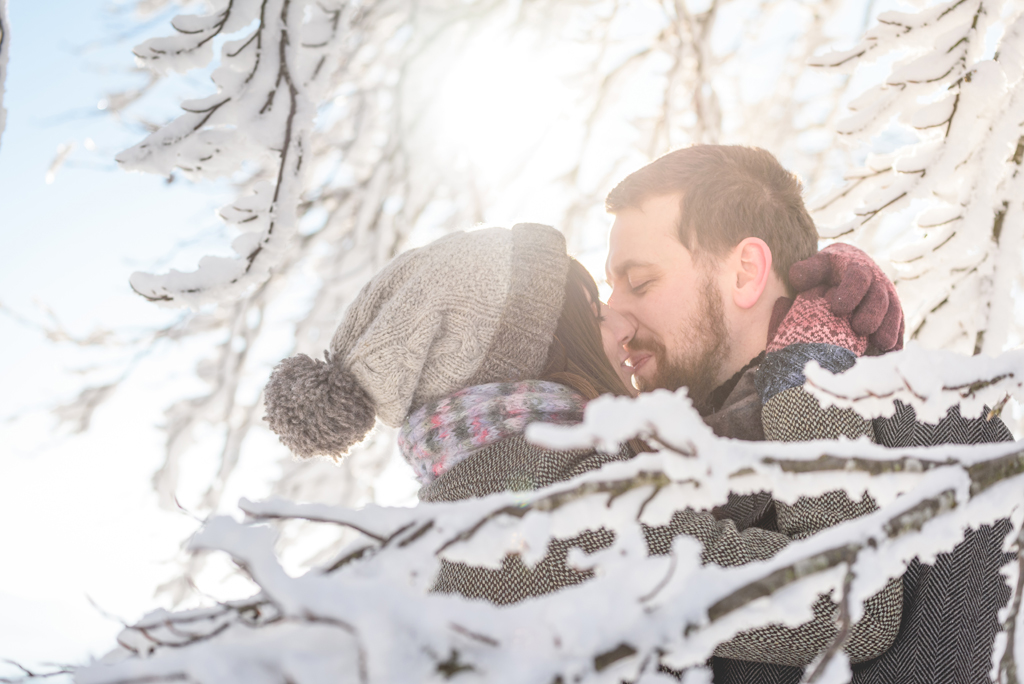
pixel 728 193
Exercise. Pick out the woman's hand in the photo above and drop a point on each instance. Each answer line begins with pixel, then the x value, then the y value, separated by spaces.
pixel 855 288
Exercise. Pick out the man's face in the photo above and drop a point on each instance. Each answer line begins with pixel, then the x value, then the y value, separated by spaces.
pixel 673 299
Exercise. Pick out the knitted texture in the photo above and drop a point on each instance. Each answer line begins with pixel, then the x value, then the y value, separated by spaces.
pixel 467 309
pixel 902 429
pixel 788 413
pixel 435 317
pixel 444 432
pixel 730 671
pixel 810 319
pixel 854 288
pixel 515 465
pixel 950 616
pixel 803 518
pixel 869 637
pixel 531 310
pixel 797 646
pixel 949 608
pixel 317 407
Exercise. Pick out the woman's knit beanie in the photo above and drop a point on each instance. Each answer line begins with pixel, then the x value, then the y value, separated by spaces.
pixel 467 309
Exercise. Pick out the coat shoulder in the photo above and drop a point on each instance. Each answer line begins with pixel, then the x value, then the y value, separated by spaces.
pixel 514 464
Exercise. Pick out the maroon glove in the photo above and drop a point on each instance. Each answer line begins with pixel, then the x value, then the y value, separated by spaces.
pixel 857 289
pixel 809 319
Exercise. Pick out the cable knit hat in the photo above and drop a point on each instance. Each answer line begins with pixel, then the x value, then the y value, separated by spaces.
pixel 467 309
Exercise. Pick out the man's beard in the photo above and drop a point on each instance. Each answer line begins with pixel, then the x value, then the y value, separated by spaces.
pixel 696 367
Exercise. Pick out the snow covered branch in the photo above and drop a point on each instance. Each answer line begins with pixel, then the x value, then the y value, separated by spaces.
pixel 267 85
pixel 376 85
pixel 29 675
pixel 959 144
pixel 929 381
pixel 370 615
pixel 327 117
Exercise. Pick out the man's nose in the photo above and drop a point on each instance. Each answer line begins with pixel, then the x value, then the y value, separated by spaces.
pixel 618 305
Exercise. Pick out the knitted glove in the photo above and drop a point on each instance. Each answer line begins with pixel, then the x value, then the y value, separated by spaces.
pixel 809 320
pixel 855 289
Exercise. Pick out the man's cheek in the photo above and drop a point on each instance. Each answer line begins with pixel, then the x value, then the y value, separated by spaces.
pixel 657 316
pixel 646 316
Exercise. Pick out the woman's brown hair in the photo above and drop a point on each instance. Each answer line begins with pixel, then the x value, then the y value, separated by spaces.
pixel 576 356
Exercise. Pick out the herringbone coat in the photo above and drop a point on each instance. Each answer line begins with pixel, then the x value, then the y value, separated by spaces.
pixel 949 616
pixel 936 625
pixel 737 533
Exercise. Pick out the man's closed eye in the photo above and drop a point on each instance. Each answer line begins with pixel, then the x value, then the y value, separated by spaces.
pixel 640 288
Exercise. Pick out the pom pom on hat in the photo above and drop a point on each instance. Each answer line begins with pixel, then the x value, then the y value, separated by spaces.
pixel 317 408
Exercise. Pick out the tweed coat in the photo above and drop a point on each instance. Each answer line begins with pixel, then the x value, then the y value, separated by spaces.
pixel 949 615
pixel 729 537
pixel 934 626
pixel 736 533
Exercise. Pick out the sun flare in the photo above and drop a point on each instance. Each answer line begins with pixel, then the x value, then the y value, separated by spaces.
pixel 500 103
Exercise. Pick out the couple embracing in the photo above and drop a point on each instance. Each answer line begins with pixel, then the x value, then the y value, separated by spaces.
pixel 717 285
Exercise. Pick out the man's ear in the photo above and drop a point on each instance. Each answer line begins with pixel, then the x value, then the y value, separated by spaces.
pixel 752 261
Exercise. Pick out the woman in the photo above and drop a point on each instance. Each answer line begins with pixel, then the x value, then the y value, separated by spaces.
pixel 468 310
pixel 461 343
pixel 465 341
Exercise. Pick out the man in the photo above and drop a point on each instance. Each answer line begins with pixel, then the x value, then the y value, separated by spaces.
pixel 700 258
pixel 704 274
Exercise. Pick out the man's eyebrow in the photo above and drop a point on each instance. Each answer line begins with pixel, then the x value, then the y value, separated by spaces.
pixel 627 265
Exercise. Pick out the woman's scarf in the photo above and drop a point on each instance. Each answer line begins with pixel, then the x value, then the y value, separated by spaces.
pixel 444 432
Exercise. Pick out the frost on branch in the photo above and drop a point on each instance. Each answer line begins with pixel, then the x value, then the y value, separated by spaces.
pixel 267 85
pixel 929 381
pixel 368 614
pixel 959 145
pixel 297 58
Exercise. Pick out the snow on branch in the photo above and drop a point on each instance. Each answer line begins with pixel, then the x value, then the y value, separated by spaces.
pixel 370 616
pixel 267 85
pixel 374 172
pixel 386 78
pixel 55 673
pixel 952 120
pixel 931 381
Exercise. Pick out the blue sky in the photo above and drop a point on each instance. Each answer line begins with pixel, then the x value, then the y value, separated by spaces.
pixel 81 521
